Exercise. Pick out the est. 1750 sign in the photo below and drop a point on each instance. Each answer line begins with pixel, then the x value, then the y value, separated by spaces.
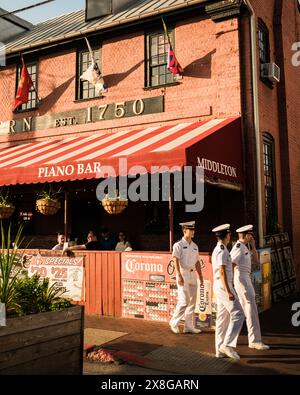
pixel 104 112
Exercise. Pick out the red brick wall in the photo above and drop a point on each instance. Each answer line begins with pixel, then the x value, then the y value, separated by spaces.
pixel 209 53
pixel 268 111
pixel 269 121
pixel 292 34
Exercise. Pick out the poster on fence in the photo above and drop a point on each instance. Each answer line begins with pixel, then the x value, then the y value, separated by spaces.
pixel 65 272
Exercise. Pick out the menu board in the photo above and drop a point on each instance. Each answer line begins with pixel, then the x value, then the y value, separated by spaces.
pixel 149 289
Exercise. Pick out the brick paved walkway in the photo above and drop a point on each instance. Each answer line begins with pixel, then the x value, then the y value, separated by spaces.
pixel 153 346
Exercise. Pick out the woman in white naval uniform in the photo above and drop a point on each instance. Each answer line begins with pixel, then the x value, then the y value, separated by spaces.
pixel 186 258
pixel 242 258
pixel 230 315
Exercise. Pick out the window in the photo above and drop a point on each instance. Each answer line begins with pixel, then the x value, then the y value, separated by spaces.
pixel 86 90
pixel 157 72
pixel 269 180
pixel 263 42
pixel 32 96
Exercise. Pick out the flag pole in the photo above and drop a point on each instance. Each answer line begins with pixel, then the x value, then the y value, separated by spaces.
pixel 176 68
pixel 90 49
pixel 166 31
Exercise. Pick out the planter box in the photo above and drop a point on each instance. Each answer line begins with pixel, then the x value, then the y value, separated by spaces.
pixel 44 343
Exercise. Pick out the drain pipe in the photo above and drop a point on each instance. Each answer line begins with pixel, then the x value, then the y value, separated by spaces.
pixel 256 123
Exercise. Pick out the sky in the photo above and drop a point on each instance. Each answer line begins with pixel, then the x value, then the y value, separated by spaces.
pixel 44 12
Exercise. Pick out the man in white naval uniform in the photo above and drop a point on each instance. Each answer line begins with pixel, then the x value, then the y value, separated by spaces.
pixel 242 258
pixel 186 259
pixel 230 315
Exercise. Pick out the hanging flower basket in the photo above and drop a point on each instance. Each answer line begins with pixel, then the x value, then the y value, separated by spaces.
pixel 47 206
pixel 6 211
pixel 114 205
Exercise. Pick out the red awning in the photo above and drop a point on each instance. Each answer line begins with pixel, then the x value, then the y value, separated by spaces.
pixel 215 145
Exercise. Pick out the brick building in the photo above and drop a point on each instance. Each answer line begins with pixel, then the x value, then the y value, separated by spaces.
pixel 227 50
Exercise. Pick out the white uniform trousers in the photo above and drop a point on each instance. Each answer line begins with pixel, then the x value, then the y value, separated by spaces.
pixel 187 295
pixel 230 318
pixel 246 294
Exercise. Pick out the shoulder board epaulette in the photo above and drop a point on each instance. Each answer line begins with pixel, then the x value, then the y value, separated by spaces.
pixel 222 247
pixel 238 245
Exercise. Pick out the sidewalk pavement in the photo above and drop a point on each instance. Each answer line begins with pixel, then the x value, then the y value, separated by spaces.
pixel 151 348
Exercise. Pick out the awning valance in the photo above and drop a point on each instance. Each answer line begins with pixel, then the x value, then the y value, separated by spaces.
pixel 215 145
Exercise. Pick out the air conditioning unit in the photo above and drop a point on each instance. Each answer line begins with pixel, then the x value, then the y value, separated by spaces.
pixel 270 71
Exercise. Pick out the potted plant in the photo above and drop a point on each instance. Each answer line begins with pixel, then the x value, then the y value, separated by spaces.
pixel 114 205
pixel 6 206
pixel 43 332
pixel 48 203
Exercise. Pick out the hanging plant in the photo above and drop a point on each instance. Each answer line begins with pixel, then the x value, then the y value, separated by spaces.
pixel 114 205
pixel 47 202
pixel 6 206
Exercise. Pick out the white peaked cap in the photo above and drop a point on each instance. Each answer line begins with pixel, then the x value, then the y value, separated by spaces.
pixel 244 229
pixel 189 225
pixel 221 228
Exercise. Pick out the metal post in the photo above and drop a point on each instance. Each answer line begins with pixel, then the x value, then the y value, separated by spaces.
pixel 171 213
pixel 66 209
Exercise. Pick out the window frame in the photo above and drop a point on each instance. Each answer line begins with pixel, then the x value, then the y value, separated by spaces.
pixel 79 70
pixel 148 57
pixel 265 40
pixel 271 215
pixel 19 67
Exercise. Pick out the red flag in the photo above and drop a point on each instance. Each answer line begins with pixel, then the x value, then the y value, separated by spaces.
pixel 25 83
pixel 173 64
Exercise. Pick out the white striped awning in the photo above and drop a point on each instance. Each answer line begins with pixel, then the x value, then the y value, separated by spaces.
pixel 215 145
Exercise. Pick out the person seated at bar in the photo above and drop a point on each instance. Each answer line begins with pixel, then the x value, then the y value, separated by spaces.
pixel 61 239
pixel 92 244
pixel 123 244
pixel 107 241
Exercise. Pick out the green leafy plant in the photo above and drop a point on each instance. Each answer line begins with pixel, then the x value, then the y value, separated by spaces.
pixel 5 198
pixel 61 304
pixel 48 203
pixel 10 268
pixel 20 293
pixel 49 194
pixel 36 296
pixel 117 196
